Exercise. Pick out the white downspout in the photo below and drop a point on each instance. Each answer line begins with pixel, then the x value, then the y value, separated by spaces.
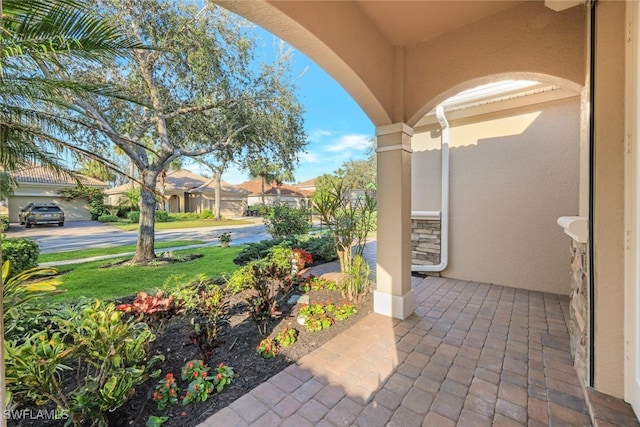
pixel 444 217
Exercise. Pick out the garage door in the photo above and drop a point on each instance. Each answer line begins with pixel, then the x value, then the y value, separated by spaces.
pixel 74 210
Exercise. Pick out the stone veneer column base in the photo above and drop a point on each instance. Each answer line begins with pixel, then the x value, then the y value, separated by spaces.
pixel 399 307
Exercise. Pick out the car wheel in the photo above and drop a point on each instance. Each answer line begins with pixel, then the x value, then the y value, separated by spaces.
pixel 27 225
pixel 60 224
pixel 21 222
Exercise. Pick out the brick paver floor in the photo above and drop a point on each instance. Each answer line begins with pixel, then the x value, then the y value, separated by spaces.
pixel 472 354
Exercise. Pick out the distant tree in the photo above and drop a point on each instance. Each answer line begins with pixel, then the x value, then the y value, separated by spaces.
pixel 360 174
pixel 97 170
pixel 264 169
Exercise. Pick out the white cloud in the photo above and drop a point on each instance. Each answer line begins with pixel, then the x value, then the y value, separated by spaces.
pixel 310 158
pixel 348 142
pixel 317 135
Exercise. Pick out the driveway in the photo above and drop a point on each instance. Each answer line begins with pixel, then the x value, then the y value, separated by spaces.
pixel 93 234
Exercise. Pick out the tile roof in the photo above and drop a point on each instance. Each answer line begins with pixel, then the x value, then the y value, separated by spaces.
pixel 254 186
pixel 45 175
pixel 183 180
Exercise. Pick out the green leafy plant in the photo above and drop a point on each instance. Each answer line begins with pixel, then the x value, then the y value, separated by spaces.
pixel 315 317
pixel 279 259
pixel 95 197
pixel 344 311
pixel 225 238
pixel 155 421
pixel 108 218
pixel 166 392
pixel 134 217
pixel 161 216
pixel 287 337
pixel 285 221
pixel 243 278
pixel 318 322
pixel 4 223
pixel 268 348
pixel 23 254
pixel 108 353
pixel 315 283
pixel 355 282
pixel 212 306
pixel 224 376
pixel 200 385
pixel 24 287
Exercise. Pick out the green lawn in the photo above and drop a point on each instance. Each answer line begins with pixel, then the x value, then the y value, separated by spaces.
pixel 86 253
pixel 174 223
pixel 88 280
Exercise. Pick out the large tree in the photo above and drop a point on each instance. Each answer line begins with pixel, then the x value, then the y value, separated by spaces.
pixel 199 91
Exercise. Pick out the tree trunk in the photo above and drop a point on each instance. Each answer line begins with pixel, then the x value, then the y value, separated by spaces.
pixel 262 194
pixel 146 233
pixel 217 192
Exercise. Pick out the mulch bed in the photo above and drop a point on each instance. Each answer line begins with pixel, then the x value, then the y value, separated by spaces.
pixel 236 347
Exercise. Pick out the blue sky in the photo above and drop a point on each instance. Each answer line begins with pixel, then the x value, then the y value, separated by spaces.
pixel 337 128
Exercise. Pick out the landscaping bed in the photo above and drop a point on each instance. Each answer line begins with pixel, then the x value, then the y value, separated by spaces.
pixel 236 347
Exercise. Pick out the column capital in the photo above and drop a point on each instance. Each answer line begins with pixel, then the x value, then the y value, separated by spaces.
pixel 399 127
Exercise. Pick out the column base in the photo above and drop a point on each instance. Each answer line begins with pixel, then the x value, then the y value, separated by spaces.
pixel 399 307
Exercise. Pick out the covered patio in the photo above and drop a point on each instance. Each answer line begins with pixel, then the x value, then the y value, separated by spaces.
pixel 399 61
pixel 472 354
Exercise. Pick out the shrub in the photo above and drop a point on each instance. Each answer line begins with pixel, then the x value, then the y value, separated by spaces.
pixel 348 218
pixel 134 217
pixel 285 221
pixel 212 307
pixel 4 223
pixel 108 218
pixel 206 214
pixel 108 354
pixel 23 254
pixel 263 302
pixel 242 279
pixel 152 307
pixel 322 249
pixel 19 290
pixel 279 259
pixel 162 216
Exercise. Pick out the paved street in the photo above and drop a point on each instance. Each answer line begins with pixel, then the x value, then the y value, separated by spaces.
pixel 93 234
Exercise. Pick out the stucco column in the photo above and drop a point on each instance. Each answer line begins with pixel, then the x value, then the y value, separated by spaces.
pixel 394 296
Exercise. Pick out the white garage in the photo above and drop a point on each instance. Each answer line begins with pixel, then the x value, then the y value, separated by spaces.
pixel 39 184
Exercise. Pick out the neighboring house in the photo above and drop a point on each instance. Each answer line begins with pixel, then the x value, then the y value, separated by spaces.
pixel 41 184
pixel 308 185
pixel 288 194
pixel 399 60
pixel 186 191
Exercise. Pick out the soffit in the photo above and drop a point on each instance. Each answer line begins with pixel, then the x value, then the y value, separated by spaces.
pixel 410 22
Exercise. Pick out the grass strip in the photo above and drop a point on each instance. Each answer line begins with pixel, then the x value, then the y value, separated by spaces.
pixel 89 280
pixel 86 253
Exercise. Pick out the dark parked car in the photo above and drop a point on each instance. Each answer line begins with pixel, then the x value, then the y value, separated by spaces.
pixel 41 213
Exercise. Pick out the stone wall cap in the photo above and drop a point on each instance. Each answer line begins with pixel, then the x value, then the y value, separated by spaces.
pixel 425 214
pixel 575 227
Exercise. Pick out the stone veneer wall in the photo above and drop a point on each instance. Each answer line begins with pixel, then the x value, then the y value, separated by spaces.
pixel 425 241
pixel 579 310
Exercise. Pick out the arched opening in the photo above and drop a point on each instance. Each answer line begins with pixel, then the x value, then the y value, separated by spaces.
pixel 514 168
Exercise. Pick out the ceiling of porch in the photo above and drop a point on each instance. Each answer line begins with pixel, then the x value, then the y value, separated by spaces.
pixel 409 22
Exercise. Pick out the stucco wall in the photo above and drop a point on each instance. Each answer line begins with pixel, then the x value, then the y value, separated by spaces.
pixel 608 218
pixel 513 174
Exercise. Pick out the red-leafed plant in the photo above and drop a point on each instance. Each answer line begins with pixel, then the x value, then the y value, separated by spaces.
pixel 152 307
pixel 303 257
pixel 148 305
